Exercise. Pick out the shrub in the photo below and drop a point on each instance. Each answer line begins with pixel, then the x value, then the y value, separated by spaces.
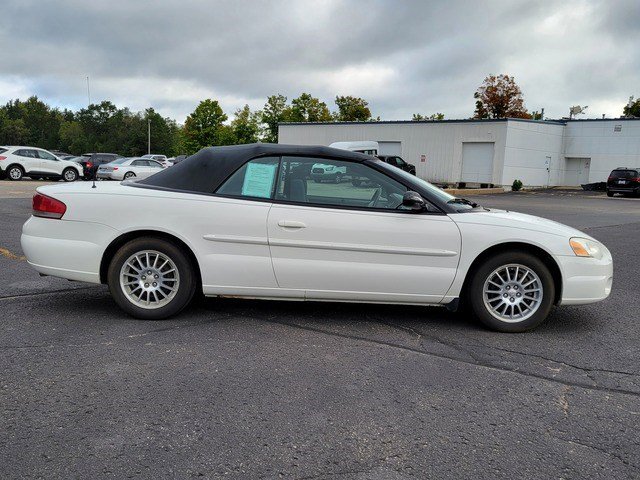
pixel 517 185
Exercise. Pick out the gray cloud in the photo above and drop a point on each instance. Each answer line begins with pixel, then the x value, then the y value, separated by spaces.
pixel 404 57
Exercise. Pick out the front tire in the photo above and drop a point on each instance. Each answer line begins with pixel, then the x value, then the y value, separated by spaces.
pixel 70 175
pixel 512 292
pixel 151 279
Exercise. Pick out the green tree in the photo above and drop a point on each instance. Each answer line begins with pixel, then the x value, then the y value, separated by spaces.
pixel 72 138
pixel 274 112
pixel 307 108
pixel 435 116
pixel 201 128
pixel 632 109
pixel 352 109
pixel 246 125
pixel 499 97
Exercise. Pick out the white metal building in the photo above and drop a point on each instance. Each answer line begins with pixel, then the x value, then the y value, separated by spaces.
pixel 539 153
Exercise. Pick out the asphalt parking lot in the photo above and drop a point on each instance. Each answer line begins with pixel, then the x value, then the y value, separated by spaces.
pixel 251 389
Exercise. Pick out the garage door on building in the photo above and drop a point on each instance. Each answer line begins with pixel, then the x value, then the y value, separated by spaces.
pixel 477 162
pixel 576 171
pixel 390 148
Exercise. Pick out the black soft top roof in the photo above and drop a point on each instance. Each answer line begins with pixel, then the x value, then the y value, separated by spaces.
pixel 207 169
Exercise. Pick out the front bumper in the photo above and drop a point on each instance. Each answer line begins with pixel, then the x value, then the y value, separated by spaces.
pixel 585 280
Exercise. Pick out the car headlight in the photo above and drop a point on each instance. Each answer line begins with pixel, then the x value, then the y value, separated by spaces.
pixel 583 247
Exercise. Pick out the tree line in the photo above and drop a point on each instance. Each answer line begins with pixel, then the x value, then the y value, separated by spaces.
pixel 102 127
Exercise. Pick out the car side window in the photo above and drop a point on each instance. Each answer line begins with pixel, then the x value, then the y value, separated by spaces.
pixel 46 155
pixel 255 179
pixel 139 163
pixel 400 162
pixel 155 164
pixel 332 182
pixel 27 153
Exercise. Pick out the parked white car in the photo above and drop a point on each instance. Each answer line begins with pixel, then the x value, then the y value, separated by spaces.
pixel 128 168
pixel 158 158
pixel 248 221
pixel 322 172
pixel 17 162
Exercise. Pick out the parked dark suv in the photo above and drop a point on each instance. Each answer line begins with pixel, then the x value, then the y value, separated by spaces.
pixel 624 180
pixel 398 162
pixel 91 161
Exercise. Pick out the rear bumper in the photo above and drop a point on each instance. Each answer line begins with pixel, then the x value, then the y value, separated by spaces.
pixel 66 249
pixel 585 280
pixel 614 189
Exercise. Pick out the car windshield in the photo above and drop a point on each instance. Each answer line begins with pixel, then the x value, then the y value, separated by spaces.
pixel 624 174
pixel 460 203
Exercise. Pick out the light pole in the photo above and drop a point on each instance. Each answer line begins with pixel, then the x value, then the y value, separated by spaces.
pixel 88 91
pixel 149 136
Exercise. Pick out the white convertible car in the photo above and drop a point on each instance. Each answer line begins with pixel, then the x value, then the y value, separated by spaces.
pixel 249 221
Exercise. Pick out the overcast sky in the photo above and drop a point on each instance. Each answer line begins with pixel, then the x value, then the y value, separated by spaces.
pixel 404 57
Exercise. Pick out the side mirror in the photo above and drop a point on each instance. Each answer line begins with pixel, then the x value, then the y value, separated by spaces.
pixel 413 201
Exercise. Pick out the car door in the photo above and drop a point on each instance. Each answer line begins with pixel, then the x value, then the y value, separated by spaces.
pixel 354 240
pixel 152 168
pixel 29 159
pixel 49 163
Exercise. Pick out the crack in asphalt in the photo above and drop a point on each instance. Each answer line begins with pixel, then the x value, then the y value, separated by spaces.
pixel 476 362
pixel 48 292
pixel 597 449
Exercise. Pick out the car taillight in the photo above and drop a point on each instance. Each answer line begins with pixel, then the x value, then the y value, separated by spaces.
pixel 637 179
pixel 609 179
pixel 115 168
pixel 47 207
pixel 89 164
pixel 2 158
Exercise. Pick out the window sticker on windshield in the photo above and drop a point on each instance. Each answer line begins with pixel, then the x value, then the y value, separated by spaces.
pixel 258 180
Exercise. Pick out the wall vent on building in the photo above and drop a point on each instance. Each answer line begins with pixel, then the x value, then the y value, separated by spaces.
pixel 617 128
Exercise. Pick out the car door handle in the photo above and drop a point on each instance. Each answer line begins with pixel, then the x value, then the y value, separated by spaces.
pixel 291 224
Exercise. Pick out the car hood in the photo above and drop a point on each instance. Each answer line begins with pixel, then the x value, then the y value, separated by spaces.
pixel 520 221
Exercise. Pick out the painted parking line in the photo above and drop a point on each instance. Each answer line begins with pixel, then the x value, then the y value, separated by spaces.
pixel 10 255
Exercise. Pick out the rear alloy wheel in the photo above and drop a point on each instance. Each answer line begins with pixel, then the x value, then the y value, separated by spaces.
pixel 15 173
pixel 151 279
pixel 70 175
pixel 129 175
pixel 512 292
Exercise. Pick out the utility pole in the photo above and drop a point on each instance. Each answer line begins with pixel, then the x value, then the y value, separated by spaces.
pixel 149 134
pixel 88 91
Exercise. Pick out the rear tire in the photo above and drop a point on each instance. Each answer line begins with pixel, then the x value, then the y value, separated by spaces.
pixel 15 173
pixel 512 305
pixel 609 194
pixel 151 296
pixel 129 175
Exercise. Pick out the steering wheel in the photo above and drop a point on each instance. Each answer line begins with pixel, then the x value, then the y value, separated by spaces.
pixel 375 198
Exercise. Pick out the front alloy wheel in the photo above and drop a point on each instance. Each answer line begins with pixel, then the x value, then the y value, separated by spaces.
pixel 151 279
pixel 512 292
